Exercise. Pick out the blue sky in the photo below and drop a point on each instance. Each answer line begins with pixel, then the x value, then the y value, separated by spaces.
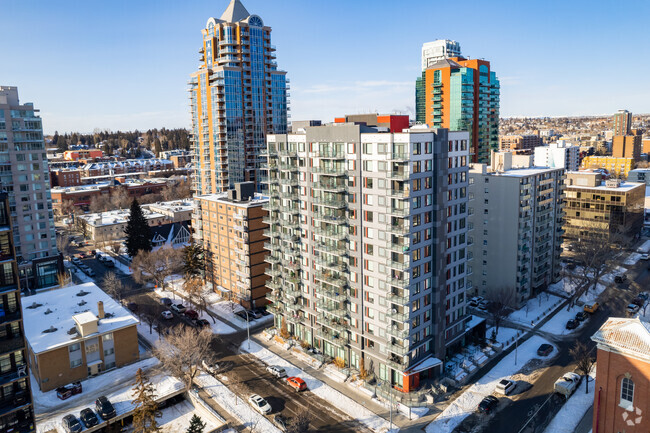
pixel 124 64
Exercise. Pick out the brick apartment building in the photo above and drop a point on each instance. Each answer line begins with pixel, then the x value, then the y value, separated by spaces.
pixel 621 400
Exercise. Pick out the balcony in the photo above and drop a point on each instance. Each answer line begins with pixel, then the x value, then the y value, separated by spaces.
pixel 330 278
pixel 12 375
pixel 331 337
pixel 399 193
pixel 289 237
pixel 396 348
pixel 397 316
pixel 402 300
pixel 331 234
pixel 394 331
pixel 12 344
pixel 13 402
pixel 331 203
pixel 334 249
pixel 271 233
pixel 337 187
pixel 271 246
pixel 335 294
pixel 332 154
pixel 399 265
pixel 331 219
pixel 332 265
pixel 273 285
pixel 397 363
pixel 333 323
pixel 273 272
pixel 272 260
pixel 9 316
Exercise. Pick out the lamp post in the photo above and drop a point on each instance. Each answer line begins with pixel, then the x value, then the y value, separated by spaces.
pixel 248 329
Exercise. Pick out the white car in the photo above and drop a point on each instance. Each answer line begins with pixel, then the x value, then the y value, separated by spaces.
pixel 276 371
pixel 167 315
pixel 505 386
pixel 259 404
pixel 632 309
pixel 179 308
pixel 210 368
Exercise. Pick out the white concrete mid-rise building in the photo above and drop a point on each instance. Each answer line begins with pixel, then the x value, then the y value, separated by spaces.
pixel 368 245
pixel 515 230
pixel 560 154
pixel 437 50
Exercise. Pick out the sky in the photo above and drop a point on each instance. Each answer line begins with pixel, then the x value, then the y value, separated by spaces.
pixel 124 64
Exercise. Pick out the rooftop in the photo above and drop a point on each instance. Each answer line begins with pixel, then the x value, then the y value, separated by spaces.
pixel 48 316
pixel 623 187
pixel 172 206
pixel 258 200
pixel 118 216
pixel 627 335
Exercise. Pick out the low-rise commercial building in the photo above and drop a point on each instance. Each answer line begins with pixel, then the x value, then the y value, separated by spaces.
pixel 519 143
pixel 127 166
pixel 621 400
pixel 76 332
pixel 231 230
pixel 560 154
pixel 515 230
pixel 64 177
pixel 75 155
pixel 610 209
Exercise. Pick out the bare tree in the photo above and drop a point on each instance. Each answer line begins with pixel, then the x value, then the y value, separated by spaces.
pixel 183 350
pixel 585 362
pixel 115 247
pixel 112 285
pixel 120 198
pixel 63 279
pixel 156 265
pixel 149 313
pixel 237 385
pixel 100 203
pixel 299 423
pixel 202 305
pixel 502 300
pixel 63 245
pixel 193 288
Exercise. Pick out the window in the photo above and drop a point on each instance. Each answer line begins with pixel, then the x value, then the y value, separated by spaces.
pixel 75 363
pixel 627 393
pixel 74 347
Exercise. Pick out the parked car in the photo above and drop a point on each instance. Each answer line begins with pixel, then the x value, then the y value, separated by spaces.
pixel 572 324
pixel 108 263
pixel 93 252
pixel 132 306
pixel 242 314
pixel 166 301
pixel 483 306
pixel 259 404
pixel 620 278
pixel 488 404
pixel 89 272
pixel 262 311
pixel 475 301
pixel 567 384
pixel 276 371
pixel 505 386
pixel 167 315
pixel 179 308
pixel 76 261
pixel 104 408
pixel 591 308
pixel 71 424
pixel 191 314
pixel 88 417
pixel 544 350
pixel 643 295
pixel 582 316
pixel 67 391
pixel 632 309
pixel 210 367
pixel 297 383
pixel 638 301
pixel 281 421
pixel 201 323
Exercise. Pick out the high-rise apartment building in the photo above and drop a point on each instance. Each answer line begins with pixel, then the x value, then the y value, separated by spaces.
pixel 461 95
pixel 16 409
pixel 560 154
pixel 515 230
pixel 25 177
pixel 610 209
pixel 237 96
pixel 368 245
pixel 622 122
pixel 437 50
pixel 232 233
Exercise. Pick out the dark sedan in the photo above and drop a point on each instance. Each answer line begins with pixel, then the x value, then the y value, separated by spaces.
pixel 488 404
pixel 88 417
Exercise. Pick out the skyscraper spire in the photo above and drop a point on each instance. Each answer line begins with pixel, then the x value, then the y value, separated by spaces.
pixel 234 12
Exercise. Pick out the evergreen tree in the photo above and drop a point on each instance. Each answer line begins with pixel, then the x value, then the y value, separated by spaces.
pixel 55 139
pixel 193 260
pixel 138 236
pixel 146 409
pixel 196 425
pixel 157 148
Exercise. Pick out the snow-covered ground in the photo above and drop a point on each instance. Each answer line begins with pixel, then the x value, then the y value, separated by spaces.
pixel 535 309
pixel 632 259
pixel 468 401
pixel 322 390
pixel 117 385
pixel 557 324
pixel 176 418
pixel 236 406
pixel 505 336
pixel 569 416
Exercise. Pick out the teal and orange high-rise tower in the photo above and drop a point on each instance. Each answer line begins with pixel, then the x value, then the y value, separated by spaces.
pixel 461 95
pixel 237 96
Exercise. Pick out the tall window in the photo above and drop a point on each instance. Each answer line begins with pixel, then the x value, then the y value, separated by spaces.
pixel 627 393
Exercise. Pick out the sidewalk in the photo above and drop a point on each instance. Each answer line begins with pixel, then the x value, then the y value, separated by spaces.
pixel 586 422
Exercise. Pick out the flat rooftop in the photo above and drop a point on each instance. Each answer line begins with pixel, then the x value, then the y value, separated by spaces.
pixel 48 316
pixel 118 216
pixel 623 187
pixel 257 200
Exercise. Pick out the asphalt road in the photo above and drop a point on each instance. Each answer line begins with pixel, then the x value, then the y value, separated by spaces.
pixel 534 408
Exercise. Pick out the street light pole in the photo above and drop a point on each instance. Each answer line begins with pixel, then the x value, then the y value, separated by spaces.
pixel 248 330
pixel 516 346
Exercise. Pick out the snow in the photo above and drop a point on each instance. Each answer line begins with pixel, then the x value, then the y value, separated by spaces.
pixel 557 324
pixel 632 259
pixel 570 415
pixel 176 418
pixel 63 304
pixel 116 385
pixel 236 406
pixel 505 336
pixel 468 401
pixel 535 309
pixel 322 390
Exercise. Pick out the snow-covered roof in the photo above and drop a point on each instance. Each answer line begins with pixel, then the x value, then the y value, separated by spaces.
pixel 83 318
pixel 630 336
pixel 48 316
pixel 119 216
pixel 623 186
pixel 257 200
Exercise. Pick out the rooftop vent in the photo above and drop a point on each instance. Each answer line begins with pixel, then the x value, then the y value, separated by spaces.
pixel 50 330
pixel 72 331
pixel 82 303
pixel 82 293
pixel 48 311
pixel 34 305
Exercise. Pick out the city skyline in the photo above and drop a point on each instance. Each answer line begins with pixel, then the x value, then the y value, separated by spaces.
pixel 339 63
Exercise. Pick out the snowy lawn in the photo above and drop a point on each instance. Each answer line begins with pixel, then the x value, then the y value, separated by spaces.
pixel 468 401
pixel 557 324
pixel 236 406
pixel 176 418
pixel 117 385
pixel 569 416
pixel 505 336
pixel 632 259
pixel 327 393
pixel 536 309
